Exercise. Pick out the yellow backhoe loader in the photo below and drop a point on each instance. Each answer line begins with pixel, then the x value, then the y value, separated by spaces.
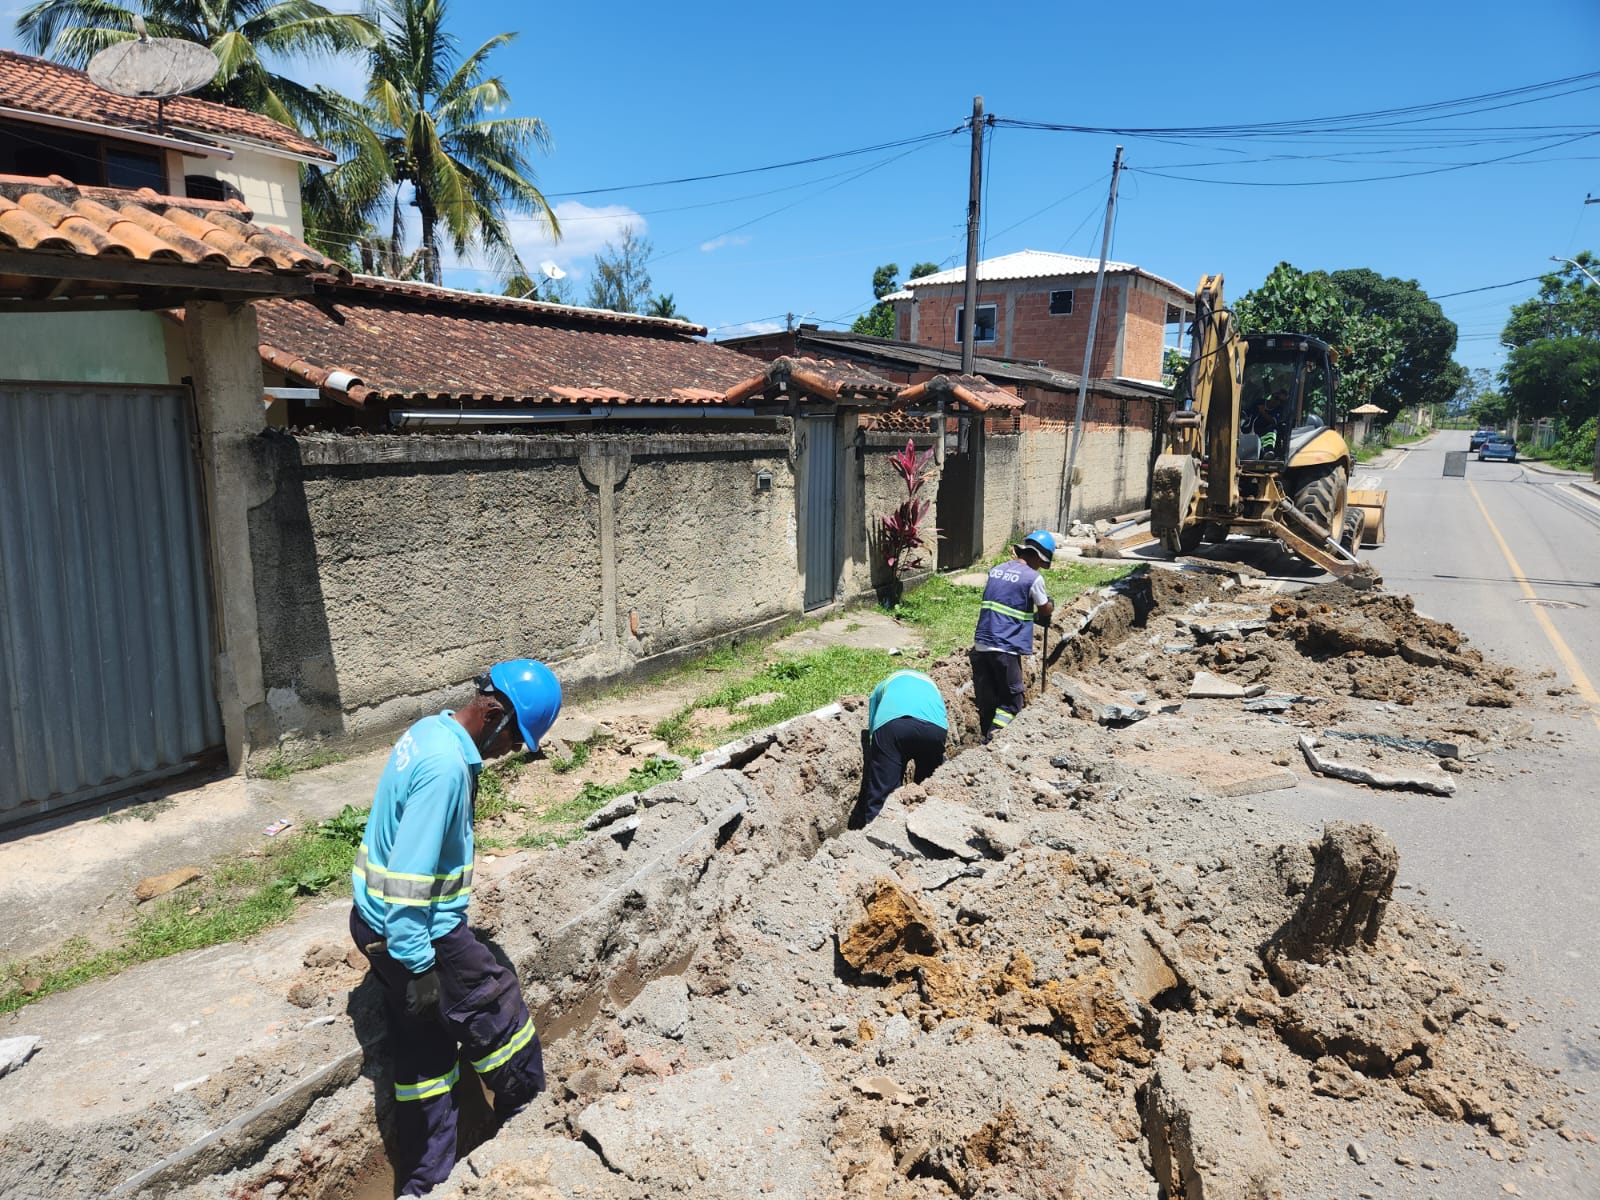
pixel 1253 448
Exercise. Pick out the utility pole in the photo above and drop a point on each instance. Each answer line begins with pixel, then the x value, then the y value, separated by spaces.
pixel 969 310
pixel 1088 349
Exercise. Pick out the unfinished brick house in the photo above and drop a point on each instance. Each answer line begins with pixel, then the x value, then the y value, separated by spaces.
pixel 1033 306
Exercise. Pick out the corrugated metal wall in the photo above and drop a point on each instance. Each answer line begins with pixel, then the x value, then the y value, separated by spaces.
pixel 822 503
pixel 105 638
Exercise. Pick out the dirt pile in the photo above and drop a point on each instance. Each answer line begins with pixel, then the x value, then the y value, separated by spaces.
pixel 1060 968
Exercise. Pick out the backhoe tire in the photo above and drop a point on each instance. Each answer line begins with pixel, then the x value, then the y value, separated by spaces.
pixel 1354 524
pixel 1185 541
pixel 1321 496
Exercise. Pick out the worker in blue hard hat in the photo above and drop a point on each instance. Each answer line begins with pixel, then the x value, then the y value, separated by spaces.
pixel 1014 600
pixel 444 992
pixel 906 723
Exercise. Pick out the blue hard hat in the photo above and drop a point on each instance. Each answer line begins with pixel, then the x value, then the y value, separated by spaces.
pixel 1044 542
pixel 534 692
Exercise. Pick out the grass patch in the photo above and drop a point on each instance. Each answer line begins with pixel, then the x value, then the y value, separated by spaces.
pixel 580 754
pixel 280 766
pixel 239 898
pixel 803 682
pixel 563 823
pixel 676 730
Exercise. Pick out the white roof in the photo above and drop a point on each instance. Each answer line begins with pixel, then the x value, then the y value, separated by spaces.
pixel 1026 264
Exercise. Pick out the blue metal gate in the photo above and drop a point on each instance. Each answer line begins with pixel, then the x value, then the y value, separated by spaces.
pixel 822 506
pixel 105 624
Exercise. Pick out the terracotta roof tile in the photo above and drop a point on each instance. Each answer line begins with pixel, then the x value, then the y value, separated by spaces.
pixel 400 344
pixel 52 215
pixel 38 85
pixel 381 342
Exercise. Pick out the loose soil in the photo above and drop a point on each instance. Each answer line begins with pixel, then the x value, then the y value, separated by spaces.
pixel 1066 965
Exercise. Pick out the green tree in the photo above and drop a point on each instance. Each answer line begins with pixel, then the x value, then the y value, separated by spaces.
pixel 1292 301
pixel 239 33
pixel 665 306
pixel 878 321
pixel 463 167
pixel 1425 371
pixel 1568 305
pixel 1554 377
pixel 621 280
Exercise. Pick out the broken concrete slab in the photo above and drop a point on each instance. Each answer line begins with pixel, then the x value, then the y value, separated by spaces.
pixel 748 1126
pixel 1218 566
pixel 1207 1136
pixel 1428 746
pixel 623 806
pixel 1433 783
pixel 1207 686
pixel 956 830
pixel 15 1051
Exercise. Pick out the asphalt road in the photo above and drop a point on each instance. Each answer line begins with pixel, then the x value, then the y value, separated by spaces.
pixel 1512 859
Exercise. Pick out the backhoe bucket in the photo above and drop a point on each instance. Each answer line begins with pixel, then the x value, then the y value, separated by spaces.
pixel 1371 502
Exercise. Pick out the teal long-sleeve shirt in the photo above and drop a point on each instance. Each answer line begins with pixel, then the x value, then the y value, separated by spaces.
pixel 413 873
pixel 906 694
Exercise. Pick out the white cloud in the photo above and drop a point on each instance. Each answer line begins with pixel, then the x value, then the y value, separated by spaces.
pixel 584 231
pixel 727 239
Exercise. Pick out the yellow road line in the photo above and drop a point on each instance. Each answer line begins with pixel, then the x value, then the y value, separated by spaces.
pixel 1580 681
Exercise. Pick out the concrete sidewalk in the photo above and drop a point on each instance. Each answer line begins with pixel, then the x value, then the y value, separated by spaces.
pixel 1580 480
pixel 75 877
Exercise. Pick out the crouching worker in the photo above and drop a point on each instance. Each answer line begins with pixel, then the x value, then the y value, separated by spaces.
pixel 1014 600
pixel 442 988
pixel 906 722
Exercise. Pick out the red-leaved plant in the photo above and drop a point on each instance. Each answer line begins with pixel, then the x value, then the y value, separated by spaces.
pixel 905 530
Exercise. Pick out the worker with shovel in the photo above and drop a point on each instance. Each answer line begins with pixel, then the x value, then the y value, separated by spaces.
pixel 906 723
pixel 443 990
pixel 1014 601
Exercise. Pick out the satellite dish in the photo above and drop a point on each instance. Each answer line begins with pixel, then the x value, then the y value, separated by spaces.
pixel 551 271
pixel 153 68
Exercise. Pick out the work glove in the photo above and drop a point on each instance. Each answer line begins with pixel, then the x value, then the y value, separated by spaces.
pixel 422 995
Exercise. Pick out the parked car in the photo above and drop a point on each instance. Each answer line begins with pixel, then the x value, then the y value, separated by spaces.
pixel 1478 438
pixel 1498 447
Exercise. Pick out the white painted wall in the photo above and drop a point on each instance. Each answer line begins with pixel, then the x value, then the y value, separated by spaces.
pixel 270 185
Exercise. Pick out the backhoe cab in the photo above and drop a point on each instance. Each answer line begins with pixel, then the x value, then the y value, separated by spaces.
pixel 1253 447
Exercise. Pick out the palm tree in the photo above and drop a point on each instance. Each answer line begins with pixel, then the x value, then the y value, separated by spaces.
pixel 464 167
pixel 237 31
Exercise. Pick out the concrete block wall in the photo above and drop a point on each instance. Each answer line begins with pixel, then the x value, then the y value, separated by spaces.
pixel 390 569
pixel 873 490
pixel 1023 478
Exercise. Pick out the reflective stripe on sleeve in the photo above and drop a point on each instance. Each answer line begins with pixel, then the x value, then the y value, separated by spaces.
pixel 1002 718
pixel 499 1058
pixel 414 891
pixel 424 1089
pixel 1005 610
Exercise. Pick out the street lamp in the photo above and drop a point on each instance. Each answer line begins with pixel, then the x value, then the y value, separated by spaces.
pixel 1579 265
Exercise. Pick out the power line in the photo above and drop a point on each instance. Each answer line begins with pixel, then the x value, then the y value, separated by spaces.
pixel 798 162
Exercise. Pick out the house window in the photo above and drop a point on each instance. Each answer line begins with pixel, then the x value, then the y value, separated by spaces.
pixel 983 331
pixel 203 187
pixel 1061 303
pixel 133 169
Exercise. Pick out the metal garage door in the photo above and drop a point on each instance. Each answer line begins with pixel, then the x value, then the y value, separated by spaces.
pixel 822 505
pixel 105 628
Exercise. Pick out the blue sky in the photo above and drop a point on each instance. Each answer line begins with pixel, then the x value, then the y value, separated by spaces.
pixel 634 94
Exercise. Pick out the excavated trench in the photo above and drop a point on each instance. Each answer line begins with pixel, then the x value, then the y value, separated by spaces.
pixel 1054 969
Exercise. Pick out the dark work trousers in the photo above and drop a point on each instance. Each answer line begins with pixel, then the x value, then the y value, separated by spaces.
pixel 997 687
pixel 891 746
pixel 481 1010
